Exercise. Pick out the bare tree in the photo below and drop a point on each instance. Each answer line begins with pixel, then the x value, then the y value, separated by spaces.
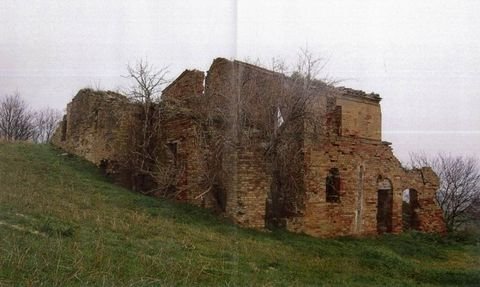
pixel 148 81
pixel 459 192
pixel 267 108
pixel 16 121
pixel 271 108
pixel 299 116
pixel 147 85
pixel 291 106
pixel 45 122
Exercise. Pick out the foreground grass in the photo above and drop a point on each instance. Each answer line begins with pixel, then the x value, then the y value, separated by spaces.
pixel 62 224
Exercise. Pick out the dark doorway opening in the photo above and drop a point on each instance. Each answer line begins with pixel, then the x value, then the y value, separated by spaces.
pixel 384 206
pixel 332 183
pixel 410 208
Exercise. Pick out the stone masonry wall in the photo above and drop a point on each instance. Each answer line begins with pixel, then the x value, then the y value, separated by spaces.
pixel 213 137
pixel 245 177
pixel 180 129
pixel 247 187
pixel 429 214
pixel 360 114
pixel 97 127
pixel 363 162
pixel 360 165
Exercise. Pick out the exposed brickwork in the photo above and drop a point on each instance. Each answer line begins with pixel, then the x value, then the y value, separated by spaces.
pixel 362 165
pixel 360 114
pixel 97 127
pixel 88 115
pixel 180 128
pixel 211 135
pixel 245 176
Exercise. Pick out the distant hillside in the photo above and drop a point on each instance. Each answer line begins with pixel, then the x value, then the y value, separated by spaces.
pixel 63 224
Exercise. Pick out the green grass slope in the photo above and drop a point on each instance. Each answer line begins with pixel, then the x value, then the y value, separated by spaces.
pixel 63 224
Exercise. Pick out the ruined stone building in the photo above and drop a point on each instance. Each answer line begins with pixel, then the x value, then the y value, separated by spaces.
pixel 262 148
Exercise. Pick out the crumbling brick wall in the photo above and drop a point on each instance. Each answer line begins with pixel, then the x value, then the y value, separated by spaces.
pixel 360 114
pixel 182 136
pixel 216 133
pixel 97 127
pixel 364 164
pixel 245 176
pixel 428 214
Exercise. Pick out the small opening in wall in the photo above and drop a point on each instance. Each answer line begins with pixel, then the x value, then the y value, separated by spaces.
pixel 333 185
pixel 64 129
pixel 173 148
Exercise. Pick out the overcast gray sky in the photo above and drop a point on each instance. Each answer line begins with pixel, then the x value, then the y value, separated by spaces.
pixel 422 57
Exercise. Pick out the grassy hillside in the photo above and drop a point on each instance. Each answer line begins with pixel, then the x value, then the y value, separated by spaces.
pixel 62 224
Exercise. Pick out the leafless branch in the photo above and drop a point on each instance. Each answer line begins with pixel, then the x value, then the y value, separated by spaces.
pixel 147 85
pixel 16 120
pixel 45 122
pixel 459 191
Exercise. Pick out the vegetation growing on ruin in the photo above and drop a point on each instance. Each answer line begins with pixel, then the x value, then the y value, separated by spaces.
pixel 63 224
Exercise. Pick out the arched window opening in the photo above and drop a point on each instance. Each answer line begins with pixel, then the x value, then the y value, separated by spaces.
pixel 333 185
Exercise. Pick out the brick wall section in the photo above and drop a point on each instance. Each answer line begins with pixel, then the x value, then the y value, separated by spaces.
pixel 216 120
pixel 188 84
pixel 360 164
pixel 361 114
pixel 248 186
pixel 96 126
pixel 362 160
pixel 180 126
pixel 246 177
pixel 182 133
pixel 426 182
